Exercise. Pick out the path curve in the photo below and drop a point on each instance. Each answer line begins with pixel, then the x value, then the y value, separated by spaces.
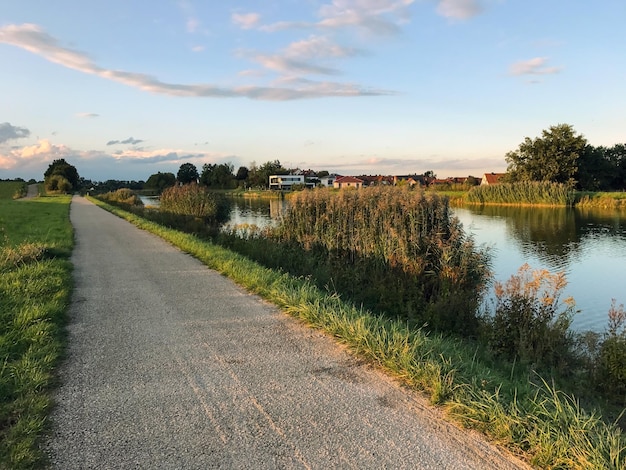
pixel 171 365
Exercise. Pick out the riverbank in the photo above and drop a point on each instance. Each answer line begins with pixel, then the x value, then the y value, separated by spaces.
pixel 523 412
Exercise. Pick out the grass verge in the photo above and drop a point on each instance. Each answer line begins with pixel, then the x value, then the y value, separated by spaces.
pixel 36 240
pixel 531 418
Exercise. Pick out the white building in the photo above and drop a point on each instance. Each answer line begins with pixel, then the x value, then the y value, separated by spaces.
pixel 285 182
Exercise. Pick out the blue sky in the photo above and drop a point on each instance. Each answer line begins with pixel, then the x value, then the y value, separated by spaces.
pixel 125 88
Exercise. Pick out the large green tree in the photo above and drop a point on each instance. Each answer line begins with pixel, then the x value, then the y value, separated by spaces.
pixel 552 157
pixel 61 176
pixel 217 176
pixel 187 173
pixel 160 181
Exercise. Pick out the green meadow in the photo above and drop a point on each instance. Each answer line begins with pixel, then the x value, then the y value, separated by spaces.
pixel 36 240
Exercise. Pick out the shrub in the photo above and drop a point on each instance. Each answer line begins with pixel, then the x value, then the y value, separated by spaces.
pixel 57 184
pixel 123 196
pixel 530 323
pixel 21 191
pixel 194 201
pixel 612 355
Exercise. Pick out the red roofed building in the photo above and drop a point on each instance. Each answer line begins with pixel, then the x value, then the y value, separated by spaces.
pixel 348 182
pixel 492 178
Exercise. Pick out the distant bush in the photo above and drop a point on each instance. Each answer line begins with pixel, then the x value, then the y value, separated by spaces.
pixel 10 188
pixel 194 201
pixel 535 192
pixel 21 191
pixel 123 196
pixel 57 184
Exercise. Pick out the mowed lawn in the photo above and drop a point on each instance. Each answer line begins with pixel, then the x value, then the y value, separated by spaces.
pixel 36 240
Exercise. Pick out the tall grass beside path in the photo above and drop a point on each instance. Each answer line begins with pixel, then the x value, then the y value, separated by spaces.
pixel 539 423
pixel 36 240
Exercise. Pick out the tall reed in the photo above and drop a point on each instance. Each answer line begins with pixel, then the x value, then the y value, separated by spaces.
pixel 192 200
pixel 123 196
pixel 526 192
pixel 402 245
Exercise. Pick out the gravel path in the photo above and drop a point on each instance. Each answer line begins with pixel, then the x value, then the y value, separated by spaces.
pixel 172 366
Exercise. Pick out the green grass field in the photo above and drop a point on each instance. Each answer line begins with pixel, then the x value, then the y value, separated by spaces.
pixel 36 241
pixel 8 189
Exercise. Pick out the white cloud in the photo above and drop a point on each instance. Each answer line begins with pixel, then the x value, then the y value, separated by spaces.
pixel 318 46
pixel 304 57
pixel 459 9
pixel 379 17
pixel 536 66
pixel 246 20
pixel 292 66
pixel 33 39
pixel 32 155
pixel 87 115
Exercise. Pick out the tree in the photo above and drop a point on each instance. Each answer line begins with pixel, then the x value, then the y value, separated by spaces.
pixel 552 157
pixel 242 173
pixel 260 176
pixel 217 176
pixel 595 171
pixel 187 173
pixel 61 168
pixel 160 181
pixel 616 156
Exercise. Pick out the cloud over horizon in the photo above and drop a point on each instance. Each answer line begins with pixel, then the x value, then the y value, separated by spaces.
pixel 130 140
pixel 32 160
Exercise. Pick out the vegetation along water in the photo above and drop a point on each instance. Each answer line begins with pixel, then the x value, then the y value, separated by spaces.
pixel 519 374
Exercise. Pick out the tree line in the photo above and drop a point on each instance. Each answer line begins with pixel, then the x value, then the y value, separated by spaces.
pixel 218 176
pixel 559 155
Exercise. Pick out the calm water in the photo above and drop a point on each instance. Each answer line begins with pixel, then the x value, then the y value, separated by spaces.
pixel 589 246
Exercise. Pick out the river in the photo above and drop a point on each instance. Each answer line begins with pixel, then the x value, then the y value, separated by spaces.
pixel 589 246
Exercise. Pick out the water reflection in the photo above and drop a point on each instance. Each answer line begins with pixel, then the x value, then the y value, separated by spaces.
pixel 588 245
pixel 549 234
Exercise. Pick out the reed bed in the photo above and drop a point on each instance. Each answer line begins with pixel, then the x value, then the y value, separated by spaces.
pixel 397 249
pixel 192 200
pixel 602 201
pixel 122 196
pixel 532 192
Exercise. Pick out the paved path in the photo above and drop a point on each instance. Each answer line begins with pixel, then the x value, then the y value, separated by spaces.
pixel 33 191
pixel 171 365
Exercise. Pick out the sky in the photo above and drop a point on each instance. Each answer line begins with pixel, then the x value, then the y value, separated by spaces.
pixel 123 89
